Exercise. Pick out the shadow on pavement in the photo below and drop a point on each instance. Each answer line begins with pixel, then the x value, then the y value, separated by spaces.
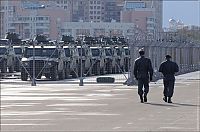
pixel 183 104
pixel 156 104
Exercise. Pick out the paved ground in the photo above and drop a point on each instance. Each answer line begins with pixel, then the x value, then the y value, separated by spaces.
pixel 99 107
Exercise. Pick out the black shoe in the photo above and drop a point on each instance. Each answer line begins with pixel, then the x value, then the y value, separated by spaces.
pixel 145 98
pixel 141 99
pixel 169 100
pixel 165 98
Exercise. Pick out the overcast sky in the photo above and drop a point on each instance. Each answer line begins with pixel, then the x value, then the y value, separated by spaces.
pixel 187 11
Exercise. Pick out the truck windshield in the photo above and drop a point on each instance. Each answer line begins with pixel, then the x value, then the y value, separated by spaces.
pixel 3 50
pixel 67 52
pixel 108 52
pixel 18 51
pixel 127 52
pixel 3 42
pixel 83 52
pixel 119 53
pixel 95 52
pixel 43 52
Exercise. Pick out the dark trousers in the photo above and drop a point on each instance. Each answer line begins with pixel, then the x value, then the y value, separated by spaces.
pixel 168 86
pixel 143 82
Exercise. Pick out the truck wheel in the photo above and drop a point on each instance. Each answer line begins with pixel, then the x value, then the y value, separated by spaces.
pixel 24 75
pixel 54 73
pixel 97 68
pixel 17 66
pixel 61 75
pixel 67 71
pixel 3 67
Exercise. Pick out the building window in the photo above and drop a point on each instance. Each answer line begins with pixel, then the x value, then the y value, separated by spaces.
pixel 98 7
pixel 98 2
pixel 91 7
pixel 65 2
pixel 91 12
pixel 65 7
pixel 98 12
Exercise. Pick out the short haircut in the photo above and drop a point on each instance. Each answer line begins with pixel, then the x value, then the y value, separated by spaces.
pixel 168 57
pixel 141 52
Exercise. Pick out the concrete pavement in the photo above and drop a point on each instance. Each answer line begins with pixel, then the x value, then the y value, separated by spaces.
pixel 99 107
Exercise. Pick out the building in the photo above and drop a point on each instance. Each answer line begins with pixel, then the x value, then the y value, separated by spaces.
pixel 98 29
pixel 147 15
pixel 31 17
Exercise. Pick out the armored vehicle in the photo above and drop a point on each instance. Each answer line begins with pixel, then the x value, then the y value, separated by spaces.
pixel 119 56
pixel 42 39
pixel 109 60
pixel 18 56
pixel 72 60
pixel 3 59
pixel 86 60
pixel 49 61
pixel 7 58
pixel 126 58
pixel 97 60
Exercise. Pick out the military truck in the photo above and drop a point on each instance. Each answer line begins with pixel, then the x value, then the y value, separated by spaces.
pixel 49 61
pixel 97 60
pixel 86 60
pixel 3 59
pixel 126 58
pixel 119 57
pixel 109 60
pixel 7 59
pixel 18 56
pixel 72 60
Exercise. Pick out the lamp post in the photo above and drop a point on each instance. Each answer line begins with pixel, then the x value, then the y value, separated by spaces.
pixel 81 77
pixel 33 78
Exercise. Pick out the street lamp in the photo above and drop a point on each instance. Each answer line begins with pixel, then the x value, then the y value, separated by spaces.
pixel 81 77
pixel 33 78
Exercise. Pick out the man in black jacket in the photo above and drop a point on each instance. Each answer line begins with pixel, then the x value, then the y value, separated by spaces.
pixel 143 72
pixel 168 69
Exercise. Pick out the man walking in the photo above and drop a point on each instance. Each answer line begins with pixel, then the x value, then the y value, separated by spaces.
pixel 143 72
pixel 168 69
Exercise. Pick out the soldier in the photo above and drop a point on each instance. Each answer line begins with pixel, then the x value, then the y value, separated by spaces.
pixel 168 69
pixel 143 71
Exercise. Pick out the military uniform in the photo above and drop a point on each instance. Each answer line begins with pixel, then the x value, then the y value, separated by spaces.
pixel 143 71
pixel 168 69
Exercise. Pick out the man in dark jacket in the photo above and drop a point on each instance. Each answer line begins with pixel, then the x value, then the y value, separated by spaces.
pixel 143 71
pixel 168 69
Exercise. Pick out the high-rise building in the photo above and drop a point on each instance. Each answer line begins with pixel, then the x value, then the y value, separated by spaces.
pixel 147 15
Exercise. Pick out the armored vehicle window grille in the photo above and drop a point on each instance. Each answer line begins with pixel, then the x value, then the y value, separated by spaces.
pixel 3 42
pixel 127 52
pixel 29 52
pixel 67 52
pixel 47 52
pixel 108 52
pixel 95 52
pixel 50 52
pixel 79 52
pixel 3 51
pixel 18 51
pixel 119 53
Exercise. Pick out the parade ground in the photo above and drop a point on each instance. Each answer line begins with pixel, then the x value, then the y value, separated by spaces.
pixel 58 106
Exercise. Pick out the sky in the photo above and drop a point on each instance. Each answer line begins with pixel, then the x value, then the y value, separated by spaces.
pixel 188 11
